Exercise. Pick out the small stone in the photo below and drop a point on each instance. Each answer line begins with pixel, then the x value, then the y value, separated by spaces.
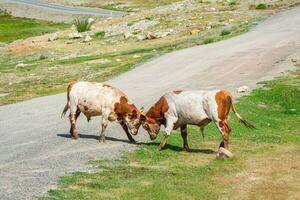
pixel 224 153
pixel 141 37
pixel 118 60
pixel 75 36
pixel 165 34
pixel 87 38
pixel 195 31
pixel 294 60
pixel 53 37
pixel 21 65
pixel 151 36
pixel 136 56
pixel 128 35
pixel 243 89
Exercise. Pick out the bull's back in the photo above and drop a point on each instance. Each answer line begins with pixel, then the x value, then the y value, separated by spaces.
pixel 91 97
pixel 192 107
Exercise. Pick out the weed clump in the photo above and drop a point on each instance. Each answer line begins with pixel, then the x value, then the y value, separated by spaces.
pixel 208 40
pixel 231 2
pixel 83 24
pixel 225 32
pixel 5 13
pixel 261 6
pixel 100 34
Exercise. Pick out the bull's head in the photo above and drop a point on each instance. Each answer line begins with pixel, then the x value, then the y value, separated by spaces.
pixel 133 122
pixel 151 126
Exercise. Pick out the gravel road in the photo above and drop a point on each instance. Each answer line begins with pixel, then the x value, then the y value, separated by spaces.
pixel 68 9
pixel 35 148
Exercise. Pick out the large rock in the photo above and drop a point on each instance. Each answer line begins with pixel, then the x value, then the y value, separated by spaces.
pixel 224 153
pixel 243 89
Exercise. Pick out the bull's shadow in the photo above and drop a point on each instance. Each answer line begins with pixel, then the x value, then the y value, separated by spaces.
pixel 168 146
pixel 179 148
pixel 94 137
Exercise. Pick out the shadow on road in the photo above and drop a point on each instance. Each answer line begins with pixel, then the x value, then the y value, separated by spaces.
pixel 95 137
pixel 177 148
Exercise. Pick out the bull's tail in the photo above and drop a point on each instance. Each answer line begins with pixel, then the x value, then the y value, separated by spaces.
pixel 243 121
pixel 66 108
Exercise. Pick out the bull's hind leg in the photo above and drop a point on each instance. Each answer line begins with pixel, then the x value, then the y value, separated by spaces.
pixel 183 130
pixel 225 130
pixel 73 118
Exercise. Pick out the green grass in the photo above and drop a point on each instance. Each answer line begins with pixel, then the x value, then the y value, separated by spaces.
pixel 45 82
pixel 172 174
pixel 13 28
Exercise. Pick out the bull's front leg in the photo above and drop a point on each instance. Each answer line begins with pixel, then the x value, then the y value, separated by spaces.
pixel 125 128
pixel 103 128
pixel 168 129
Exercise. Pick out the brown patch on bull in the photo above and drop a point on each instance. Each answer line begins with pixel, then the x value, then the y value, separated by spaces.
pixel 177 91
pixel 155 115
pixel 123 107
pixel 223 100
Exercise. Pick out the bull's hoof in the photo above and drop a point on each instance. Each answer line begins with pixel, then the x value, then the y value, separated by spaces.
pixel 75 137
pixel 102 140
pixel 186 149
pixel 160 148
pixel 224 153
pixel 132 141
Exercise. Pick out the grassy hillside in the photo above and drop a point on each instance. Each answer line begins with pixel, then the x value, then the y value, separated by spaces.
pixel 265 166
pixel 37 67
pixel 13 28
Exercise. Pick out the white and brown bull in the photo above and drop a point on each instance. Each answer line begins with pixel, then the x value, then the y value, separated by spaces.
pixel 98 99
pixel 180 108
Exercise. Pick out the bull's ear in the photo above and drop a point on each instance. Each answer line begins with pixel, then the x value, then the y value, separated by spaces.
pixel 142 109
